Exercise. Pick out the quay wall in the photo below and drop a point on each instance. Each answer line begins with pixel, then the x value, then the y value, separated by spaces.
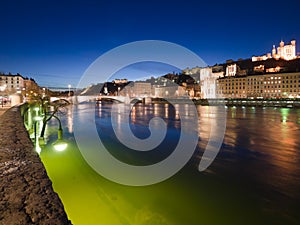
pixel 26 193
pixel 282 103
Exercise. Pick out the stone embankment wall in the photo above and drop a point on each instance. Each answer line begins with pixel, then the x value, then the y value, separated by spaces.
pixel 26 193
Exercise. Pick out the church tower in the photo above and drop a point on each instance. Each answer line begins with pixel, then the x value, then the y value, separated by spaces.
pixel 281 43
pixel 274 51
pixel 293 49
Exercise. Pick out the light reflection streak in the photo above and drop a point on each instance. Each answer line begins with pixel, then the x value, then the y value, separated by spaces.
pixel 70 120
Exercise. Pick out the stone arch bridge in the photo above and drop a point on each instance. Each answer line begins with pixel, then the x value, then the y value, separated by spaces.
pixel 94 98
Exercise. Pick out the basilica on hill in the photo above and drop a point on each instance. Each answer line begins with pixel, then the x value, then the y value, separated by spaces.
pixel 273 75
pixel 286 52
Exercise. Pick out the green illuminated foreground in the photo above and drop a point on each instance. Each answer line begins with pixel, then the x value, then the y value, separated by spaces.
pixel 90 199
pixel 234 190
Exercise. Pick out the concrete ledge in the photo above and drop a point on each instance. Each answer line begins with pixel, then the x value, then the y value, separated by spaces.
pixel 26 193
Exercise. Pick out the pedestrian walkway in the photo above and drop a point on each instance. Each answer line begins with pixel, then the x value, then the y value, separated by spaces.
pixel 26 192
pixel 3 109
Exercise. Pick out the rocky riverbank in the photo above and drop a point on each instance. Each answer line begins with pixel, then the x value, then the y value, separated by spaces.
pixel 26 193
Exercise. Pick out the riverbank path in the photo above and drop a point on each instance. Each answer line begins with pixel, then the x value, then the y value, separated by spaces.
pixel 3 109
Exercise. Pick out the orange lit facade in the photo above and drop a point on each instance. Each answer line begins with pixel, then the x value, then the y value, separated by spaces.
pixel 30 89
pixel 280 85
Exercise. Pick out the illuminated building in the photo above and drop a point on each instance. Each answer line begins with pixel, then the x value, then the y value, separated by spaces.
pixel 279 85
pixel 120 81
pixel 12 83
pixel 168 91
pixel 30 88
pixel 205 81
pixel 142 89
pixel 286 52
pixel 188 71
pixel 208 82
pixel 231 70
pixel 275 75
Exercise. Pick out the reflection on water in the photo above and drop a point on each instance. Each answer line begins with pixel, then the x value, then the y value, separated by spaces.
pixel 70 121
pixel 254 179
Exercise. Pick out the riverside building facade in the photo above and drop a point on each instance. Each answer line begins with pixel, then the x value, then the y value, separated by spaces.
pixel 275 75
pixel 11 83
pixel 277 85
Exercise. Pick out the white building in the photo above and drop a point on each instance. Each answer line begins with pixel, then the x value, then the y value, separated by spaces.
pixel 286 52
pixel 208 82
pixel 231 70
pixel 11 83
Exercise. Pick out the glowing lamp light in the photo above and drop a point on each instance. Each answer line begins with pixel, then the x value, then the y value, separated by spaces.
pixel 38 118
pixel 38 149
pixel 60 145
pixel 284 119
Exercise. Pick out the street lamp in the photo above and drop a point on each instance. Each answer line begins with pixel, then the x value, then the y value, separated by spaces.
pixel 119 88
pixel 43 118
pixel 59 144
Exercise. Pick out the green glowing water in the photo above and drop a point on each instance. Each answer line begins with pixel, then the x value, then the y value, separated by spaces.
pixel 243 186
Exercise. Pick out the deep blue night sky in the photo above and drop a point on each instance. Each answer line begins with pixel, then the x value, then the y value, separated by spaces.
pixel 55 41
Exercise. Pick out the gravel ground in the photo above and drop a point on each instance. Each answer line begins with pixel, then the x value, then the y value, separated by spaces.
pixel 26 193
pixel 3 110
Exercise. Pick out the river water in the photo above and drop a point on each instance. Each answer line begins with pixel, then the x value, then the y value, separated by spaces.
pixel 253 180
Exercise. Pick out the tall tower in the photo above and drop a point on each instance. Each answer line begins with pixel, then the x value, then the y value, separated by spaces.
pixel 273 51
pixel 281 43
pixel 293 42
pixel 293 50
pixel 280 49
